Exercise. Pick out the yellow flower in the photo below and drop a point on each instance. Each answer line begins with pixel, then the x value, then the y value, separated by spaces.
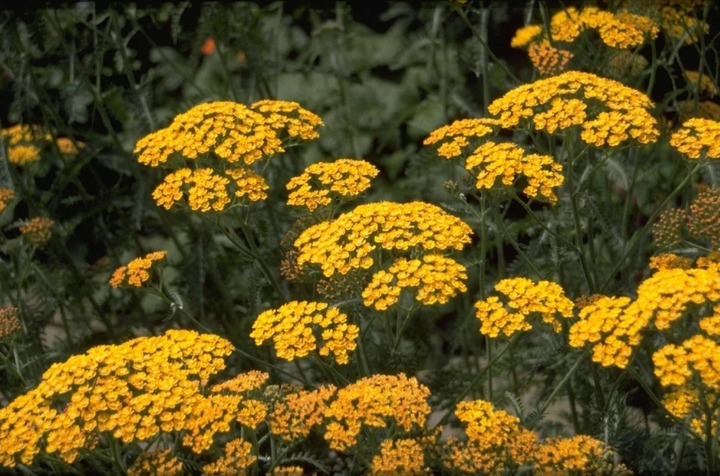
pixel 370 402
pixel 524 298
pixel 525 36
pixel 579 454
pixel 456 136
pixel 136 273
pixel 667 230
pixel 347 242
pixel 571 99
pixel 506 161
pixel 291 329
pixel 706 82
pixel 397 457
pixel 237 459
pixel 547 59
pixel 156 463
pixel 67 146
pixel 436 277
pixel 37 230
pixel 698 137
pixel 297 413
pixel 343 178
pixel 9 323
pixel 669 261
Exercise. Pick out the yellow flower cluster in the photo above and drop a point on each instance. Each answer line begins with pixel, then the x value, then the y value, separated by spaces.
pixel 525 36
pixel 6 196
pixel 343 177
pixel 703 221
pixel 524 298
pixel 156 463
pixel 456 136
pixel 669 261
pixel 346 243
pixel 22 143
pixel 625 62
pixel 674 364
pixel 135 273
pixel 706 82
pixel 372 401
pixel 230 130
pixel 9 322
pixel 705 109
pixel 580 454
pixel 242 383
pixel 295 415
pixel 614 325
pixel 684 403
pixel 438 278
pixel 398 457
pixel 237 459
pixel 616 30
pixel 218 137
pixel 547 59
pixel 37 230
pixel 496 441
pixel 570 96
pixel 251 412
pixel 678 19
pixel 506 161
pixel 133 391
pixel 698 137
pixel 291 329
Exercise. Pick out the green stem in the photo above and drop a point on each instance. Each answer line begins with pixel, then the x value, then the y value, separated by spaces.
pixel 576 216
pixel 562 383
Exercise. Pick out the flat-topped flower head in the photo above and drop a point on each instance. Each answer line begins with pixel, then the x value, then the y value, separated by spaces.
pixel 24 143
pixel 292 328
pixel 526 35
pixel 9 323
pixel 236 459
pixel 136 273
pixel 698 137
pixel 373 402
pixel 37 230
pixel 522 298
pixel 669 261
pixel 547 59
pixel 296 414
pixel 434 279
pixel 231 131
pixel 501 164
pixel 326 182
pixel 400 456
pixel 158 462
pixel 348 242
pixel 609 112
pixel 132 391
pixel 706 83
pixel 579 454
pixel 667 230
pixel 455 137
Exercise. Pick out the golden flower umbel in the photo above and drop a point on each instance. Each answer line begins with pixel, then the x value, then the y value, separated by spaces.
pixel 524 298
pixel 401 456
pixel 493 163
pixel 436 278
pixel 233 132
pixel 24 143
pixel 237 459
pixel 667 230
pixel 455 137
pixel 580 454
pixel 296 414
pixel 135 273
pixel 370 402
pixel 67 146
pixel 322 183
pixel 349 242
pixel 38 230
pixel 23 154
pixel 698 137
pixel 704 82
pixel 669 261
pixel 6 196
pixel 609 112
pixel 703 221
pixel 526 36
pixel 292 329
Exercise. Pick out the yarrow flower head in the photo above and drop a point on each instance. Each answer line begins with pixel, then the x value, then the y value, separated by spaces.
pixel 703 221
pixel 455 137
pixel 524 298
pixel 37 230
pixel 133 391
pixel 615 326
pixel 6 196
pixel 579 454
pixel 237 459
pixel 136 273
pixel 347 242
pixel 156 463
pixel 24 143
pixel 706 83
pixel 291 329
pixel 667 230
pixel 436 277
pixel 496 441
pixel 68 147
pixel 297 413
pixel 698 137
pixel 609 112
pixel 401 456
pixel 669 261
pixel 371 402
pixel 526 36
pixel 504 162
pixel 325 182
pixel 547 59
